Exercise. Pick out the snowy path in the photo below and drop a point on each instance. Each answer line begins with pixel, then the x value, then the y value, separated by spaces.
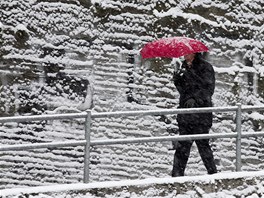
pixel 228 184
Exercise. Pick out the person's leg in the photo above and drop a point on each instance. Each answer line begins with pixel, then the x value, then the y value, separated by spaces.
pixel 206 152
pixel 181 157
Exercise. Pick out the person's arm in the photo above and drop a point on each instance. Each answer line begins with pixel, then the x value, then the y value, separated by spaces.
pixel 178 81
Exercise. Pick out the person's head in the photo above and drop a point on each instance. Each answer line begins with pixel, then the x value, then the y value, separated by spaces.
pixel 189 58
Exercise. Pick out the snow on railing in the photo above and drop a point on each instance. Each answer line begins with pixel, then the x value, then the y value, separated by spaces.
pixel 89 116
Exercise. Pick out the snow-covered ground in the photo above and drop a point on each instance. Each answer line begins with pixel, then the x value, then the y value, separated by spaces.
pixel 220 185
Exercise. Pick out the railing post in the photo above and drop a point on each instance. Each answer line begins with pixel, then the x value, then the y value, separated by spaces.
pixel 238 139
pixel 87 147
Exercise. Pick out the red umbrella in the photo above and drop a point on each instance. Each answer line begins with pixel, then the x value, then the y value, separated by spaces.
pixel 173 47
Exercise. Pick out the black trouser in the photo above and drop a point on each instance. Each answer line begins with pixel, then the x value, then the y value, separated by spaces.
pixel 184 147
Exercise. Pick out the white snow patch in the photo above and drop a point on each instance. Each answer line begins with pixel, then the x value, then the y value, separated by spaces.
pixel 149 181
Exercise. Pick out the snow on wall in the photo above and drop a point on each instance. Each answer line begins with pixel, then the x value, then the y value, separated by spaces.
pixel 68 56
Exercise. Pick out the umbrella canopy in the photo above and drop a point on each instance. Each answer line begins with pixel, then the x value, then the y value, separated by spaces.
pixel 173 47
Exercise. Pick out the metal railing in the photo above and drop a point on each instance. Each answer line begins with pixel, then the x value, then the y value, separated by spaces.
pixel 89 116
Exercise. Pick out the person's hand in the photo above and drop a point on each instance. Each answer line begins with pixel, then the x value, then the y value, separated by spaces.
pixel 190 103
pixel 176 78
pixel 176 75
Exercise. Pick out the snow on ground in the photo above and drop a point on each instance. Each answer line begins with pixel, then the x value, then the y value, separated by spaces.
pixel 228 184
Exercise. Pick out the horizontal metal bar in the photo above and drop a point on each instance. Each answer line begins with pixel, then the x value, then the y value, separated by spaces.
pixel 125 141
pixel 128 113
pixel 42 145
pixel 113 141
pixel 173 138
pixel 163 112
pixel 43 117
pixel 252 134
pixel 162 139
pixel 252 108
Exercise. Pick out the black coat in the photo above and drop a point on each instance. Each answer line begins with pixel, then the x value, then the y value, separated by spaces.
pixel 198 83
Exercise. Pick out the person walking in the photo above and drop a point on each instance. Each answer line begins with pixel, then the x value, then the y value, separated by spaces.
pixel 195 82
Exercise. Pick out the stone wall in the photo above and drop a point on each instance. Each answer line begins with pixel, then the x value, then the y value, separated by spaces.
pixel 69 56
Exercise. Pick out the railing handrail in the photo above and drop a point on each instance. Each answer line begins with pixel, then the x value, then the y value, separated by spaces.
pixel 87 143
pixel 42 117
pixel 127 113
pixel 125 141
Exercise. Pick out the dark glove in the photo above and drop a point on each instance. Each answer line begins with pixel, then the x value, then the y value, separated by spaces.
pixel 178 77
pixel 190 103
pixel 179 73
pixel 199 102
